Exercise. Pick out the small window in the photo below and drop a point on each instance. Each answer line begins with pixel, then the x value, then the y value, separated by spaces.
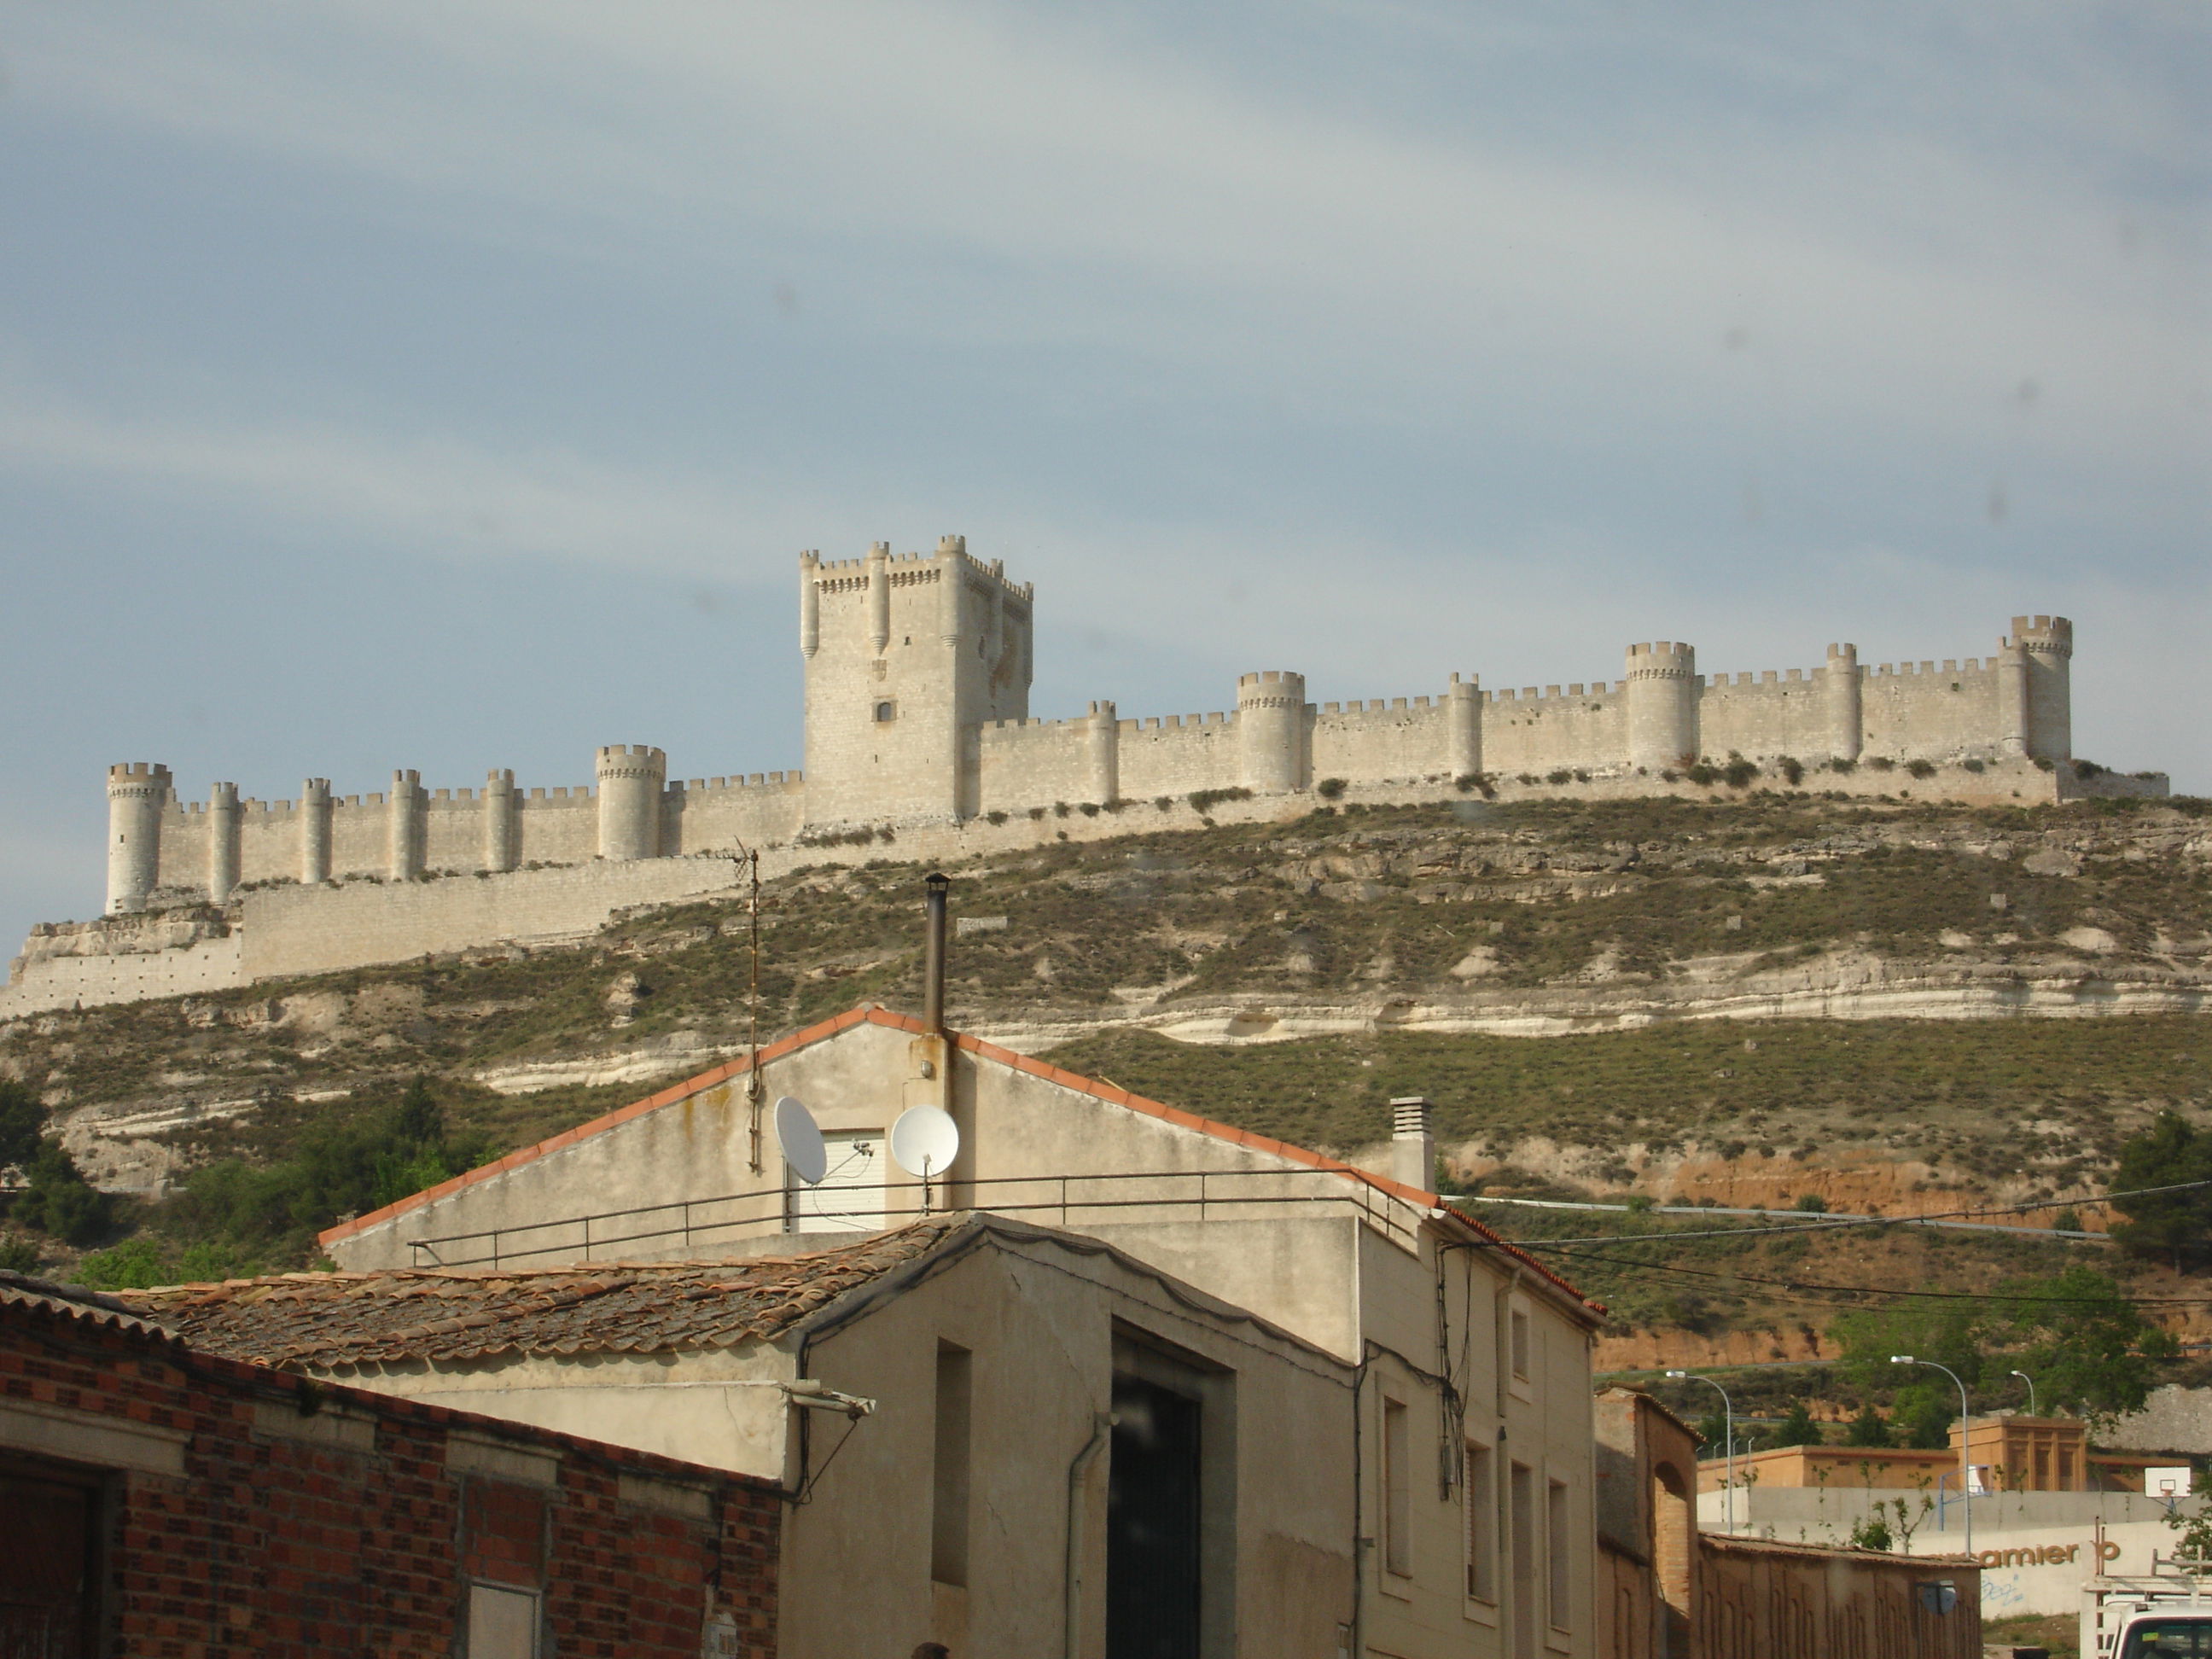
pixel 1481 1496
pixel 1557 1540
pixel 1397 1489
pixel 886 713
pixel 1520 1338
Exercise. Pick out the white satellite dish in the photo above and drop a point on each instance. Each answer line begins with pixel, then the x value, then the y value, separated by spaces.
pixel 801 1139
pixel 924 1140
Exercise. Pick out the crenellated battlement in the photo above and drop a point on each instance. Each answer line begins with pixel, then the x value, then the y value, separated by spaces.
pixel 918 667
pixel 2044 635
pixel 1666 659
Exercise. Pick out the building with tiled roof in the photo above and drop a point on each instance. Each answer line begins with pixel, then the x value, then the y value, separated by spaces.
pixel 1473 1438
pixel 920 1394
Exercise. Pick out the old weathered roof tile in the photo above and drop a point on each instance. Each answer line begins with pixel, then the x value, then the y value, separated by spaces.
pixel 325 1320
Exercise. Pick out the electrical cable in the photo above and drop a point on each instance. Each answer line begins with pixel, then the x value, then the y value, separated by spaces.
pixel 1799 1285
pixel 1842 1223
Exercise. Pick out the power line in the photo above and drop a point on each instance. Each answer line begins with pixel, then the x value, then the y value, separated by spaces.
pixel 1799 1285
pixel 1838 1223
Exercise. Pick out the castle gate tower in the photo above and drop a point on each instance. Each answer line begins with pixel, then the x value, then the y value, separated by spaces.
pixel 906 657
pixel 1661 681
pixel 137 795
pixel 1271 731
pixel 632 778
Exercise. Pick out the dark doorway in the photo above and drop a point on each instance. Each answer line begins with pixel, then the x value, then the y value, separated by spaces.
pixel 49 1554
pixel 1152 1525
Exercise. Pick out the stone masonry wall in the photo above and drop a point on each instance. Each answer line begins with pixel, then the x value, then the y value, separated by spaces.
pixel 313 930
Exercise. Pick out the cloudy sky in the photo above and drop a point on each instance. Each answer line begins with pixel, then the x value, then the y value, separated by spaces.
pixel 451 385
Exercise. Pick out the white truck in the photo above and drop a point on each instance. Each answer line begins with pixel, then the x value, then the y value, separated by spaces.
pixel 2166 1613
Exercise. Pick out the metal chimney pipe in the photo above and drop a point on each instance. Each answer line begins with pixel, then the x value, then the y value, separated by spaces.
pixel 934 886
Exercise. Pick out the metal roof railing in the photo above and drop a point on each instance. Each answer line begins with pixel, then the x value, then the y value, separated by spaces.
pixel 688 1224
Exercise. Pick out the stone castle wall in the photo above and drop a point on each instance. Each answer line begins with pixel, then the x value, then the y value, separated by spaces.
pixel 917 671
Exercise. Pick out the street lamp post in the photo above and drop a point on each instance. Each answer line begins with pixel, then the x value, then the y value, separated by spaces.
pixel 2030 1381
pixel 1965 1454
pixel 1728 1444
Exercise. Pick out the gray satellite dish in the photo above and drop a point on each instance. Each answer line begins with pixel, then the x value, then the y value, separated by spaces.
pixel 924 1140
pixel 801 1139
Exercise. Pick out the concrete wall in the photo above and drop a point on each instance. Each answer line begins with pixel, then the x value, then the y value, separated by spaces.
pixel 1041 1325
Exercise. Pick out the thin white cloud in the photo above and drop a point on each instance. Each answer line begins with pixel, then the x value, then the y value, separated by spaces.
pixel 1916 283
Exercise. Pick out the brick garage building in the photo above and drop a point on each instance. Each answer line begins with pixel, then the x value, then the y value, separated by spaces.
pixel 158 1500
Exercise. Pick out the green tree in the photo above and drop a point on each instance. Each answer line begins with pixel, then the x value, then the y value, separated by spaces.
pixel 1922 1413
pixel 1867 1429
pixel 1798 1429
pixel 2088 1346
pixel 22 1118
pixel 1712 1434
pixel 2174 1226
pixel 59 1201
pixel 1952 1333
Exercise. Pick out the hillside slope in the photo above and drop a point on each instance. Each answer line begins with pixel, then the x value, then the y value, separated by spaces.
pixel 1294 975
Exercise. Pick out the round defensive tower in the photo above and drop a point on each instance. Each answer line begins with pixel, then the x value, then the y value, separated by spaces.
pixel 221 843
pixel 2048 643
pixel 632 777
pixel 315 831
pixel 403 827
pixel 1271 730
pixel 1661 683
pixel 1463 726
pixel 500 842
pixel 810 603
pixel 1102 740
pixel 138 794
pixel 1840 698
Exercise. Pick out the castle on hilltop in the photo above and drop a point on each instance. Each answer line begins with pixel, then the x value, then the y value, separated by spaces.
pixel 917 672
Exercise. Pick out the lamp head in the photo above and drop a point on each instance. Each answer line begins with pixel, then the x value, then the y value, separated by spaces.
pixel 1903 1359
pixel 1678 1373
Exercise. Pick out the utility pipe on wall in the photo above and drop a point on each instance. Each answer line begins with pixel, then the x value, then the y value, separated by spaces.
pixel 1102 1426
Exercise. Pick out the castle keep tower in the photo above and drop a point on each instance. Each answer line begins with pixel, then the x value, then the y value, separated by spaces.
pixel 632 778
pixel 1660 683
pixel 137 795
pixel 906 658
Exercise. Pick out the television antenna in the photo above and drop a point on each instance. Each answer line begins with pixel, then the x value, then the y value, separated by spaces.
pixel 924 1142
pixel 799 1138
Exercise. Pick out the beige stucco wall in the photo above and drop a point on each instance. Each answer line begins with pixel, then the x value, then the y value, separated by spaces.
pixel 1041 1327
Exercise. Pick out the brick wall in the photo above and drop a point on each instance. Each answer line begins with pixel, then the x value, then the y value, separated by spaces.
pixel 240 1509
